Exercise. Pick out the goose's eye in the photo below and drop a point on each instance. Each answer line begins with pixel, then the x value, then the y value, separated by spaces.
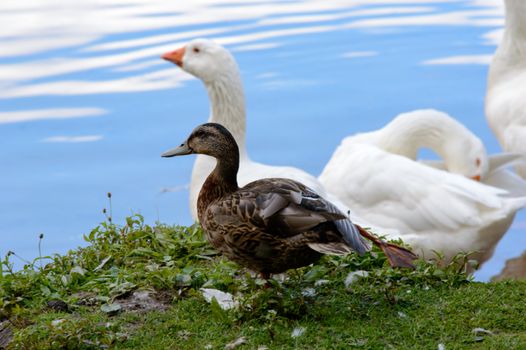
pixel 196 50
pixel 477 161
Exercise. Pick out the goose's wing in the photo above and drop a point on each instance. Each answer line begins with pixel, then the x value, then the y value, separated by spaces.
pixel 496 161
pixel 285 208
pixel 497 176
pixel 394 191
pixel 507 180
pixel 434 163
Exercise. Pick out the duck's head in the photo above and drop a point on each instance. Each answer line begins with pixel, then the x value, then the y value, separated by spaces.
pixel 211 139
pixel 204 59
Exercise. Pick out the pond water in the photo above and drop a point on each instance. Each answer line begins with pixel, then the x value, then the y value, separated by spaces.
pixel 87 106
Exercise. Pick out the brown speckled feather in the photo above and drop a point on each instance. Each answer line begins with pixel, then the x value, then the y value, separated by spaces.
pixel 272 225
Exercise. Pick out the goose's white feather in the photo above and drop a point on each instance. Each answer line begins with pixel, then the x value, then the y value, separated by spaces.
pixel 506 92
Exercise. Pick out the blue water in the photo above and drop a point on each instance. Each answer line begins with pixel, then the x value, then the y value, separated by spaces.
pixel 303 97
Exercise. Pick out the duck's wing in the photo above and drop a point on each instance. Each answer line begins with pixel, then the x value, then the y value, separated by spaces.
pixel 394 191
pixel 285 208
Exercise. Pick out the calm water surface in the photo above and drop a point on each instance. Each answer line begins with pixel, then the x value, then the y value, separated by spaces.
pixel 87 106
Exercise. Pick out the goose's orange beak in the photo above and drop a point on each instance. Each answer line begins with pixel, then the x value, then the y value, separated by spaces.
pixel 476 177
pixel 175 56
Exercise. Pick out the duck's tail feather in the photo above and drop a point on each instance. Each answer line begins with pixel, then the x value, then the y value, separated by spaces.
pixel 331 248
pixel 396 255
pixel 351 235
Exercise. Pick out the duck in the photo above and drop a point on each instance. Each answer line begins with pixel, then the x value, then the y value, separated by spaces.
pixel 505 105
pixel 217 68
pixel 433 210
pixel 275 224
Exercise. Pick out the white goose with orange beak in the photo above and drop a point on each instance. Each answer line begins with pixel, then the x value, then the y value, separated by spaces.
pixel 377 175
pixel 218 70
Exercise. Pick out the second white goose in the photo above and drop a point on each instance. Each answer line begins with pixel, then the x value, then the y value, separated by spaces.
pixel 435 210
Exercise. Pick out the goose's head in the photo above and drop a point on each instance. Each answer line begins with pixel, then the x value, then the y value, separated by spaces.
pixel 467 156
pixel 204 59
pixel 462 152
pixel 211 139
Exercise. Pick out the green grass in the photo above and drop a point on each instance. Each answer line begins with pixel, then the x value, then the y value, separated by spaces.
pixel 389 308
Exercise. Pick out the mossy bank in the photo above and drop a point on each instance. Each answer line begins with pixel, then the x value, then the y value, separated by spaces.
pixel 139 287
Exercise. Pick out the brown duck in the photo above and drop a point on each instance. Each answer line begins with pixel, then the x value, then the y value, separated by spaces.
pixel 271 225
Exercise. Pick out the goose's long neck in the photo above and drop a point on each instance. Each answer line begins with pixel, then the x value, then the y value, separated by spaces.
pixel 221 181
pixel 511 53
pixel 228 106
pixel 405 136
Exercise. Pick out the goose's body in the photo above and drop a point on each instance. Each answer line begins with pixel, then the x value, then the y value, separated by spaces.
pixel 498 174
pixel 217 68
pixel 506 93
pixel 435 210
pixel 270 225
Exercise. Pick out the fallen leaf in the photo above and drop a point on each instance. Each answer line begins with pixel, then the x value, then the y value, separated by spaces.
pixel 297 332
pixel 478 331
pixel 236 343
pixel 55 323
pixel 320 282
pixel 225 300
pixel 309 292
pixel 103 262
pixel 355 276
pixel 111 309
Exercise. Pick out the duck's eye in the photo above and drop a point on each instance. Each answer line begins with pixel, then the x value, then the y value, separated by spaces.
pixel 196 50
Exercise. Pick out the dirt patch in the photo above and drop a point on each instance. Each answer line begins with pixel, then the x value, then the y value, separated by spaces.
pixel 6 334
pixel 515 269
pixel 144 301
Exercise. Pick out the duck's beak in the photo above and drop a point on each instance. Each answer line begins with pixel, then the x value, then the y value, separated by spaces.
pixel 476 177
pixel 175 56
pixel 178 151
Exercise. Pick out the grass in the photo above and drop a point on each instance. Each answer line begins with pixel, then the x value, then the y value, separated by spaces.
pixel 88 299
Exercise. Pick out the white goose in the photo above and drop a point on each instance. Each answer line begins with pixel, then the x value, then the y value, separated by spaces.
pixel 218 70
pixel 506 93
pixel 376 175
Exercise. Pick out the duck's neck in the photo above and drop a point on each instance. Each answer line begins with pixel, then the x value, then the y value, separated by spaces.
pixel 405 136
pixel 228 106
pixel 511 53
pixel 221 182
